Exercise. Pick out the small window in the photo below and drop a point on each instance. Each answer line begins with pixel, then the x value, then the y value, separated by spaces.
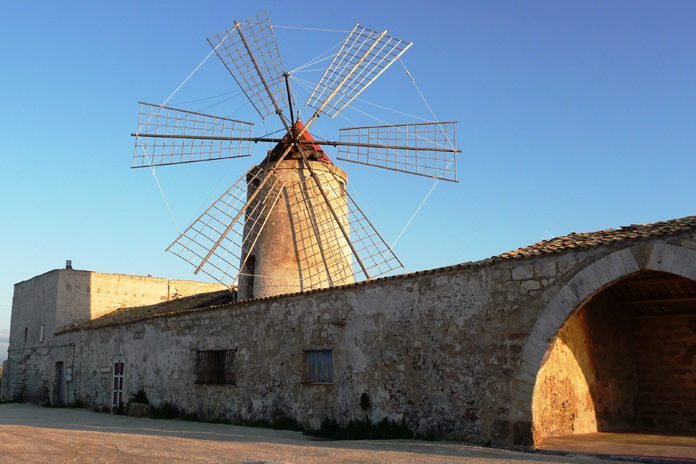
pixel 215 367
pixel 26 334
pixel 318 366
pixel 41 334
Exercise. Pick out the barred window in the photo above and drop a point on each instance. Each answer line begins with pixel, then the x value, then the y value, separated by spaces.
pixel 215 367
pixel 318 366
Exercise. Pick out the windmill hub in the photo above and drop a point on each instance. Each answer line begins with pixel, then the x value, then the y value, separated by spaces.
pixel 312 150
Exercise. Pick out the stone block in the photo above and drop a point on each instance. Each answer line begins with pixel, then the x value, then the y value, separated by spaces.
pixel 566 262
pixel 616 264
pixel 501 430
pixel 523 272
pixel 138 409
pixel 689 268
pixel 529 285
pixel 546 268
pixel 657 256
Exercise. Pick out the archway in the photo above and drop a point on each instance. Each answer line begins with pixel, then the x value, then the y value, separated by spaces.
pixel 624 361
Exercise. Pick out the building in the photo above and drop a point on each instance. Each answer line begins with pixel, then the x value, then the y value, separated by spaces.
pixel 586 332
pixel 67 298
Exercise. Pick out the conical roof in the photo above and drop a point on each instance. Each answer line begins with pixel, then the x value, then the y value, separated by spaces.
pixel 313 151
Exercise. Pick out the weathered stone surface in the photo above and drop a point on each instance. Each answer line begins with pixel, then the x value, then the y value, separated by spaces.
pixel 523 271
pixel 454 352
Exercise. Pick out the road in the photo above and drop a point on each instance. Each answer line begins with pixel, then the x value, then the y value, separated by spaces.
pixel 34 434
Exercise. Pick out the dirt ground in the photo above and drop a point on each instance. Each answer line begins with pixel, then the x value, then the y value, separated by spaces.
pixel 33 434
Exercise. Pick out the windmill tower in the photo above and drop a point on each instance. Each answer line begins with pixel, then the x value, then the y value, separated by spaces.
pixel 289 224
pixel 301 246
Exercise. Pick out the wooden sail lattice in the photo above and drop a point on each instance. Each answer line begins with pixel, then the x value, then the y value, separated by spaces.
pixel 425 149
pixel 363 57
pixel 253 59
pixel 218 242
pixel 167 135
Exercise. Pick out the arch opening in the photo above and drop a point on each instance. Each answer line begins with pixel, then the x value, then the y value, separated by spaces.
pixel 625 360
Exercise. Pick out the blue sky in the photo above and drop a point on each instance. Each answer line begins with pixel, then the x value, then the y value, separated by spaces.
pixel 574 116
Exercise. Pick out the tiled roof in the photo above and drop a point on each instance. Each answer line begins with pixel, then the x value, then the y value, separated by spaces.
pixel 578 241
pixel 184 304
pixel 572 241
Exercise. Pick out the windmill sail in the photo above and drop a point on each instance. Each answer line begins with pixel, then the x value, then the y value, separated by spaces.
pixel 425 149
pixel 167 135
pixel 250 53
pixel 363 57
pixel 219 241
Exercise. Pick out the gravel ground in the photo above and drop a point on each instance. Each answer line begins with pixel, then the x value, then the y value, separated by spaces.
pixel 33 434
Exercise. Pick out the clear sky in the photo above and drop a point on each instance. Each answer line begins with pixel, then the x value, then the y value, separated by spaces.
pixel 574 116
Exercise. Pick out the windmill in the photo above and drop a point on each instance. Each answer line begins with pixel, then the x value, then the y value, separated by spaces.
pixel 288 223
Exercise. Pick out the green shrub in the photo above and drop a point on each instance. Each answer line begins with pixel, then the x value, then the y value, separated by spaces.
pixel 362 430
pixel 77 404
pixel 166 411
pixel 139 397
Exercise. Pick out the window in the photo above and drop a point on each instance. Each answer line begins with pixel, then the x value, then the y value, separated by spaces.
pixel 26 334
pixel 118 384
pixel 215 367
pixel 41 334
pixel 318 366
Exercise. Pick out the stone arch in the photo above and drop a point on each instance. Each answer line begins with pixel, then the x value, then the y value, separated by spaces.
pixel 592 279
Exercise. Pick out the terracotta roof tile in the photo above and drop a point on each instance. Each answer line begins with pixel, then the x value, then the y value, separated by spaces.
pixel 575 241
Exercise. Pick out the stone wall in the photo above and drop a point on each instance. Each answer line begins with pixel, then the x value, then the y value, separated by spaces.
pixel 85 295
pixel 29 360
pixel 437 349
pixel 454 352
pixel 665 353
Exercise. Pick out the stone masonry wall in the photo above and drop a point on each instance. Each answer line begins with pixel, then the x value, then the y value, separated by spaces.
pixel 28 363
pixel 438 350
pixel 454 352
pixel 665 350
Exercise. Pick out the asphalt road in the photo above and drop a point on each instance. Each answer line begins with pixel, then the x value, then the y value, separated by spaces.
pixel 34 434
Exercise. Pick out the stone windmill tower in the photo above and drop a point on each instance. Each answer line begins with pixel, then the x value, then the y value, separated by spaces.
pixel 301 246
pixel 288 224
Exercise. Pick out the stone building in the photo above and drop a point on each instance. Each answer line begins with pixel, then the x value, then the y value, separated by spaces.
pixel 38 361
pixel 586 332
